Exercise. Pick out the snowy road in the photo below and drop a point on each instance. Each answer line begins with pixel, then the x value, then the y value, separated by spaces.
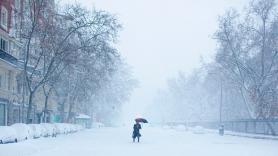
pixel 155 142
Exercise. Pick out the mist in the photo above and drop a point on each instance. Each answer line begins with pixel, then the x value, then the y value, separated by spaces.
pixel 140 77
pixel 161 38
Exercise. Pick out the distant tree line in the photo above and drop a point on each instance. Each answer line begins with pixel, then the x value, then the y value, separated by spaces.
pixel 241 82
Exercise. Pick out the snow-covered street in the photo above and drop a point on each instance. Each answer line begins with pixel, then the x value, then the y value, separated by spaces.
pixel 155 141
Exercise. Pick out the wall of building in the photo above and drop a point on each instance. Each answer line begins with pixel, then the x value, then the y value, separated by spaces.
pixel 13 96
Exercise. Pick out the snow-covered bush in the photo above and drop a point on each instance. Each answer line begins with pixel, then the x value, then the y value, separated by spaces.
pixel 7 134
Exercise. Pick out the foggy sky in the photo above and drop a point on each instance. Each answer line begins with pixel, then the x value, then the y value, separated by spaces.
pixel 162 37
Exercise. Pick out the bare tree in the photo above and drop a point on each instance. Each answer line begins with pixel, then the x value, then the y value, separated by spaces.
pixel 248 51
pixel 51 38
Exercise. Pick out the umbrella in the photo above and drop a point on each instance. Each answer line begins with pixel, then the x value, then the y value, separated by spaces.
pixel 141 120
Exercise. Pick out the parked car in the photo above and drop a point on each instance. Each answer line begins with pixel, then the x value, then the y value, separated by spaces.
pixel 78 127
pixel 73 128
pixel 60 128
pixel 44 131
pixel 67 127
pixel 50 129
pixel 7 134
pixel 37 130
pixel 23 132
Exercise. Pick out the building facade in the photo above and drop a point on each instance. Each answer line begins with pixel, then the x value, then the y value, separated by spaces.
pixel 13 93
pixel 9 70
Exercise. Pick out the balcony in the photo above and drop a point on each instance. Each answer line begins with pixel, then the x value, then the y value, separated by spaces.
pixel 8 57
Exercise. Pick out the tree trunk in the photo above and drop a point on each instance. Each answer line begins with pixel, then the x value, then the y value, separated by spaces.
pixel 70 110
pixel 62 112
pixel 45 108
pixel 250 110
pixel 29 111
pixel 269 125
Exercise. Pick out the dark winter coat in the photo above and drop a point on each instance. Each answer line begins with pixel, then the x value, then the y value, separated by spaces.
pixel 136 130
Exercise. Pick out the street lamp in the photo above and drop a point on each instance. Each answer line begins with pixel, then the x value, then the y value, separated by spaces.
pixel 221 101
pixel 221 126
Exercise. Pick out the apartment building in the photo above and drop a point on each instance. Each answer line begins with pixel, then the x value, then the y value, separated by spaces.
pixel 10 97
pixel 13 93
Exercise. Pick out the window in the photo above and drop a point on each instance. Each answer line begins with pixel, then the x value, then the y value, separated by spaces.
pixel 19 85
pixel 3 45
pixel 13 24
pixel 2 114
pixel 4 17
pixel 9 80
pixel 17 4
pixel 15 115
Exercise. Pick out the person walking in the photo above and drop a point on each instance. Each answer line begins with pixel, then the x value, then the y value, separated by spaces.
pixel 136 131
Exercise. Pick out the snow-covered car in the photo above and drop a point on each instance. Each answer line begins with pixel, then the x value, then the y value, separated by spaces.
pixel 37 130
pixel 23 132
pixel 61 128
pixel 71 128
pixel 44 131
pixel 50 129
pixel 78 127
pixel 7 134
pixel 198 130
pixel 74 128
pixel 66 128
pixel 54 129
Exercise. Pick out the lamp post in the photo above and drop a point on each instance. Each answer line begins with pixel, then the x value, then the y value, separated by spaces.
pixel 221 101
pixel 221 126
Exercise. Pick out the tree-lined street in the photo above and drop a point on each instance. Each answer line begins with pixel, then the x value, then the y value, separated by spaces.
pixel 155 141
pixel 138 78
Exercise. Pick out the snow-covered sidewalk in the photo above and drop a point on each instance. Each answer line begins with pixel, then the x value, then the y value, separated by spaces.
pixel 155 142
pixel 254 136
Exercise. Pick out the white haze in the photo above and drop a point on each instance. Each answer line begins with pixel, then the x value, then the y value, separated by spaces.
pixel 162 37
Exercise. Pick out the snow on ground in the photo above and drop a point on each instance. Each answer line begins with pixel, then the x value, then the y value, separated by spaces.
pixel 155 142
